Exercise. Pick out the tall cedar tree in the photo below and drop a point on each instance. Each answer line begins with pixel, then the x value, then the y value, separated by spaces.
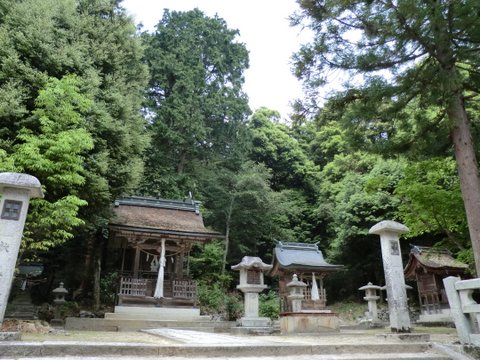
pixel 430 51
pixel 195 97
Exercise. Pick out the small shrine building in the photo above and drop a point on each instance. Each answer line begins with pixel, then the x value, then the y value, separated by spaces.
pixel 428 266
pixel 307 261
pixel 153 239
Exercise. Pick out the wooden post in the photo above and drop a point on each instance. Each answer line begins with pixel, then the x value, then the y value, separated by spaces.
pixel 137 262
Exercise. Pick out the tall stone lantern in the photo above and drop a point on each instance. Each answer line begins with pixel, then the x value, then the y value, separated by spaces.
pixel 251 284
pixel 15 192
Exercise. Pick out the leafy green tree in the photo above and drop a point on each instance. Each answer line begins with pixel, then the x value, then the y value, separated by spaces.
pixel 275 146
pixel 356 192
pixel 431 202
pixel 195 101
pixel 96 41
pixel 409 52
pixel 241 204
pixel 56 155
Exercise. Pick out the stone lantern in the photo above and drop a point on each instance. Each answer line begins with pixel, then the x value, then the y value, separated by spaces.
pixel 59 294
pixel 251 284
pixel 296 295
pixel 371 297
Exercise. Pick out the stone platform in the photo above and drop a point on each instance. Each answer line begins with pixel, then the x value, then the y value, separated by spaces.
pixel 308 322
pixel 123 312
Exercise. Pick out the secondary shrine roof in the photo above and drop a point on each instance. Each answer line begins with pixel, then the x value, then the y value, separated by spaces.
pixel 300 256
pixel 432 260
pixel 160 217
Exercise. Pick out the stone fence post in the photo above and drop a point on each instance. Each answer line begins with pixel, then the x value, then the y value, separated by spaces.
pixel 465 311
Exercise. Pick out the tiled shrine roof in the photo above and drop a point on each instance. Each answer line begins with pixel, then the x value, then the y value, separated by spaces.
pixel 300 256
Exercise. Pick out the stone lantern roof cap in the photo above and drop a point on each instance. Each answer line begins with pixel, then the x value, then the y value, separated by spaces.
pixel 370 286
pixel 252 262
pixel 388 226
pixel 295 282
pixel 22 181
pixel 60 290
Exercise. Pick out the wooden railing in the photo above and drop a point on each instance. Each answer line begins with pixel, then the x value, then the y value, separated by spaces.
pixel 177 289
pixel 184 289
pixel 132 286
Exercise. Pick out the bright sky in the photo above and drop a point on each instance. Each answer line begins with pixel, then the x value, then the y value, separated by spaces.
pixel 265 30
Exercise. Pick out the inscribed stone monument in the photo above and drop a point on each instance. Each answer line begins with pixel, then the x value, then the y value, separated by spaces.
pixel 15 193
pixel 389 232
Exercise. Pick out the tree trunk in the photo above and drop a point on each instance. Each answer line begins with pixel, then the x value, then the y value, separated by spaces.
pixel 96 283
pixel 89 245
pixel 227 232
pixel 467 171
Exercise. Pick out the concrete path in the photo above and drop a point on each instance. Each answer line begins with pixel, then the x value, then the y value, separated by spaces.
pixel 193 337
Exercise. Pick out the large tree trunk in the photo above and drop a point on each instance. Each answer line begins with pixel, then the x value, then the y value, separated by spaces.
pixel 467 171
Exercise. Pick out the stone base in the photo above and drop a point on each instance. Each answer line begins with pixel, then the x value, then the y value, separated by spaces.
pixel 308 322
pixel 10 336
pixel 254 322
pixel 443 317
pixel 239 330
pixel 155 313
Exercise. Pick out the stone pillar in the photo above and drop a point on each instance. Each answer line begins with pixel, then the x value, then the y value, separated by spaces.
pixel 15 193
pixel 389 232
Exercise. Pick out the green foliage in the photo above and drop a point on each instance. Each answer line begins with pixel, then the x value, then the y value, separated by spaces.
pixel 108 288
pixel 242 205
pixel 431 202
pixel 71 86
pixel 276 147
pixel 269 305
pixel 215 300
pixel 55 153
pixel 357 192
pixel 414 80
pixel 206 264
pixel 195 100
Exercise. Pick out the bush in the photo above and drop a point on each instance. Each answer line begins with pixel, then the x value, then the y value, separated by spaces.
pixel 214 300
pixel 269 305
pixel 108 288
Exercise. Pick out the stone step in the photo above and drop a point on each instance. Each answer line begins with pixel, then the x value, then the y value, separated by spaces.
pixel 18 349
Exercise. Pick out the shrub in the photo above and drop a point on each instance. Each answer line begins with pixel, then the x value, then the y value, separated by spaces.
pixel 214 300
pixel 269 305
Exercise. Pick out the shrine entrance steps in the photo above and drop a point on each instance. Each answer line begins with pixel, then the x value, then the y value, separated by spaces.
pixel 180 344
